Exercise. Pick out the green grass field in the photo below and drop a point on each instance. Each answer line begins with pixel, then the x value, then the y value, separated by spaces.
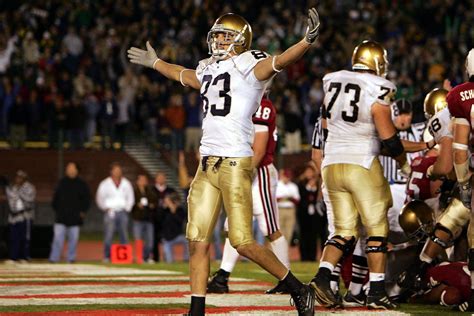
pixel 304 271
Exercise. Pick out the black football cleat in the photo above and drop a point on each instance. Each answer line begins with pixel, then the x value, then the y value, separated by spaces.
pixel 219 282
pixel 303 300
pixel 280 288
pixel 351 300
pixel 324 294
pixel 380 301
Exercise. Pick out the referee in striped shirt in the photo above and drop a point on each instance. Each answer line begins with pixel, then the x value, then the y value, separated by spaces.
pixel 402 114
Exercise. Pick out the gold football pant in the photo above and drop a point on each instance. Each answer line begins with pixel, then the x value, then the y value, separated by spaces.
pixel 227 181
pixel 355 191
pixel 455 217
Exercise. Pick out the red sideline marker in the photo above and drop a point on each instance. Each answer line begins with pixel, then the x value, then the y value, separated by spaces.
pixel 121 254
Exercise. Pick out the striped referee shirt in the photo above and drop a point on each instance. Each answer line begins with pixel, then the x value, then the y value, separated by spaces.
pixel 317 141
pixel 390 168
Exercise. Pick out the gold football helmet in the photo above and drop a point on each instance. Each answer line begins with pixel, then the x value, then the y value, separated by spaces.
pixel 370 55
pixel 416 219
pixel 237 35
pixel 435 101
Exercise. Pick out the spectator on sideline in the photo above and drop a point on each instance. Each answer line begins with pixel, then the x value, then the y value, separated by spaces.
pixel 161 190
pixel 311 215
pixel 142 215
pixel 71 201
pixel 174 219
pixel 288 197
pixel 21 197
pixel 115 197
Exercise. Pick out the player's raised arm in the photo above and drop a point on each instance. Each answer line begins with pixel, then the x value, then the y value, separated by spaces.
pixel 267 68
pixel 148 58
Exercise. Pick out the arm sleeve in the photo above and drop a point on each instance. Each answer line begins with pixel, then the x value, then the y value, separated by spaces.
pixel 265 113
pixel 100 196
pixel 247 61
pixel 201 67
pixel 317 141
pixel 384 91
pixel 454 107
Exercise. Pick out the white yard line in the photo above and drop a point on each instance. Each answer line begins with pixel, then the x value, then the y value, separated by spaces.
pixel 77 269
pixel 109 288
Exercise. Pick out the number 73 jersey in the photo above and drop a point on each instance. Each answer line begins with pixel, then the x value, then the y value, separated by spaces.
pixel 349 96
pixel 230 95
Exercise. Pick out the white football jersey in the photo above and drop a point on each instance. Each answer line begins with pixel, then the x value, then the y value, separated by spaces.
pixel 349 96
pixel 440 125
pixel 230 95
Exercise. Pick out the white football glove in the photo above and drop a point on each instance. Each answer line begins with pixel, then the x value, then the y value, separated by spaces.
pixel 312 31
pixel 147 58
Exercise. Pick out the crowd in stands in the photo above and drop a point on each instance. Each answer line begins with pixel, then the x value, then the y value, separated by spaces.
pixel 64 73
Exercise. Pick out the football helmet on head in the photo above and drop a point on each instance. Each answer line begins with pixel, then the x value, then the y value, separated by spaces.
pixel 417 220
pixel 372 56
pixel 470 63
pixel 435 101
pixel 237 36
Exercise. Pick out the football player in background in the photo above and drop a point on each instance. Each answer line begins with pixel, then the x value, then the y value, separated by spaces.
pixel 456 216
pixel 232 82
pixel 355 276
pixel 417 220
pixel 461 104
pixel 357 114
pixel 264 200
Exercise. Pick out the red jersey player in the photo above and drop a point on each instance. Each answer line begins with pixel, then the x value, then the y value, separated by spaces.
pixel 264 199
pixel 419 186
pixel 442 278
pixel 461 106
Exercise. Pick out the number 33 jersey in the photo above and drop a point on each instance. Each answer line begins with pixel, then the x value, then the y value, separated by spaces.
pixel 349 96
pixel 230 95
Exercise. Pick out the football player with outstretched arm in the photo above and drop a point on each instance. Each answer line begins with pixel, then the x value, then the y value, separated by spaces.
pixel 265 209
pixel 232 82
pixel 357 116
pixel 461 106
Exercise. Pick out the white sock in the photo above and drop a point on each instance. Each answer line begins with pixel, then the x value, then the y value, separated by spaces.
pixel 229 257
pixel 376 277
pixel 359 272
pixel 280 249
pixel 327 265
pixel 423 257
pixel 335 278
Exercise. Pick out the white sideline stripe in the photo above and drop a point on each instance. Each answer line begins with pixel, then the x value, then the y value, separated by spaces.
pixel 93 278
pixel 110 288
pixel 77 269
pixel 212 299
